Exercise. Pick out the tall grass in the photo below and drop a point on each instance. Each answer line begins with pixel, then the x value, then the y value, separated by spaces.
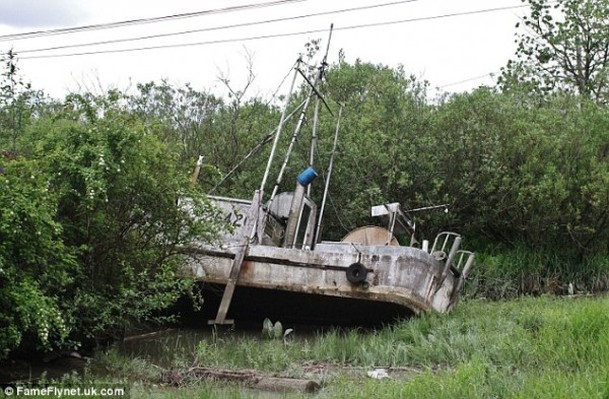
pixel 551 347
pixel 528 348
pixel 508 273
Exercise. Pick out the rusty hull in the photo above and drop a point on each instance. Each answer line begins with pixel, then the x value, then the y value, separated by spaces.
pixel 405 276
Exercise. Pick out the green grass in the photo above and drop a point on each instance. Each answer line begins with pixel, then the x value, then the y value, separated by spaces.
pixel 548 347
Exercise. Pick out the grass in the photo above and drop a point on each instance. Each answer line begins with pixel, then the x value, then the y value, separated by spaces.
pixel 547 347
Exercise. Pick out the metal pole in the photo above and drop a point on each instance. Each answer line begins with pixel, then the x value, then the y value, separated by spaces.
pixel 280 127
pixel 323 202
pixel 313 139
pixel 291 146
pixel 322 68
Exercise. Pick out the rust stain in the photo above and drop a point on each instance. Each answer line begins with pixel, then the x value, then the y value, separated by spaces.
pixel 246 268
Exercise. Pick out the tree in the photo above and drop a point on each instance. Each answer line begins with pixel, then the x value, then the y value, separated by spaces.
pixel 90 227
pixel 118 187
pixel 565 48
pixel 199 123
pixel 36 267
pixel 17 100
pixel 383 125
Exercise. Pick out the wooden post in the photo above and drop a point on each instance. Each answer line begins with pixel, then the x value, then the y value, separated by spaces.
pixel 248 232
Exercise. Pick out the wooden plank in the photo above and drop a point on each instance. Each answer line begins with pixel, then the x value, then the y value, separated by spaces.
pixel 249 378
pixel 248 231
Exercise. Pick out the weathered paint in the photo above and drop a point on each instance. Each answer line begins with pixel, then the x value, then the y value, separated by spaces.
pixel 402 275
pixel 406 276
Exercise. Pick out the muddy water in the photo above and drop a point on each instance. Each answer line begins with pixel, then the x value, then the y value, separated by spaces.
pixel 162 347
pixel 34 370
pixel 158 347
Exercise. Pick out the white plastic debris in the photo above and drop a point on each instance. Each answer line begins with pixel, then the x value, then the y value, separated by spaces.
pixel 378 374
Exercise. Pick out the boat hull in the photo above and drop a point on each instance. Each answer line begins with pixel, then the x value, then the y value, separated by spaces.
pixel 250 306
pixel 403 278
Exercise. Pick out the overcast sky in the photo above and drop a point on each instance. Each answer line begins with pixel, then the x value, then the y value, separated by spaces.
pixel 442 50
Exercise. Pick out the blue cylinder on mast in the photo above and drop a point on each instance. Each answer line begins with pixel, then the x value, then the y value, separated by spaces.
pixel 307 176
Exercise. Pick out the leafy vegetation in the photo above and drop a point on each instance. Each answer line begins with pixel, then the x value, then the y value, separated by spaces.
pixel 564 48
pixel 90 226
pixel 90 231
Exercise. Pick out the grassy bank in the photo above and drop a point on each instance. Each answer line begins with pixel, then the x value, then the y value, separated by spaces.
pixel 504 273
pixel 549 347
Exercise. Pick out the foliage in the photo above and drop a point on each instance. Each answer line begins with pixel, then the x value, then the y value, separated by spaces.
pixel 118 188
pixel 35 266
pixel 101 229
pixel 197 123
pixel 565 47
pixel 17 102
pixel 385 116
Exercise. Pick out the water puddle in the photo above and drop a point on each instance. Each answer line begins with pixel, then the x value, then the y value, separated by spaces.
pixel 161 348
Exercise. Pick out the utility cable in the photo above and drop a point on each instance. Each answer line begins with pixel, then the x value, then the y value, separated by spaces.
pixel 466 80
pixel 140 21
pixel 239 25
pixel 268 36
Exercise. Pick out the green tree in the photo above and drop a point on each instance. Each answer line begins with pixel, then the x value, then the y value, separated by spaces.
pixel 36 268
pixel 118 188
pixel 17 102
pixel 91 227
pixel 565 47
pixel 198 123
pixel 384 122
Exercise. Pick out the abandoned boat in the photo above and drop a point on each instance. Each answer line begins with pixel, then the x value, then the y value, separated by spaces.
pixel 275 265
pixel 271 266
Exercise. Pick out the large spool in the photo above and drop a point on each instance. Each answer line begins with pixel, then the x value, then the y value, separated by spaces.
pixel 371 235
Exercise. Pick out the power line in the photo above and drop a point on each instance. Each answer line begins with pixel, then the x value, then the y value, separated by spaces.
pixel 467 80
pixel 457 14
pixel 111 25
pixel 166 46
pixel 240 25
pixel 269 36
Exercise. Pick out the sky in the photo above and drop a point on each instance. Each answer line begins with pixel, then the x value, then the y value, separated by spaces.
pixel 454 53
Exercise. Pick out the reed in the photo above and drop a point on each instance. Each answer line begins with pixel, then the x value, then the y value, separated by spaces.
pixel 547 347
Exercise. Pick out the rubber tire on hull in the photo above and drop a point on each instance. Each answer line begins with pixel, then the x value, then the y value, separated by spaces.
pixel 357 273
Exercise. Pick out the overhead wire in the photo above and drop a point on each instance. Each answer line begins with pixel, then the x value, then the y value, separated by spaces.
pixel 474 78
pixel 199 30
pixel 140 21
pixel 275 35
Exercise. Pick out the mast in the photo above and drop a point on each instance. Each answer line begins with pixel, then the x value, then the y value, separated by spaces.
pixel 313 89
pixel 322 71
pixel 328 176
pixel 280 127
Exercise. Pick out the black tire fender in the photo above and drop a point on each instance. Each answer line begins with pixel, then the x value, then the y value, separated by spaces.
pixel 357 273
